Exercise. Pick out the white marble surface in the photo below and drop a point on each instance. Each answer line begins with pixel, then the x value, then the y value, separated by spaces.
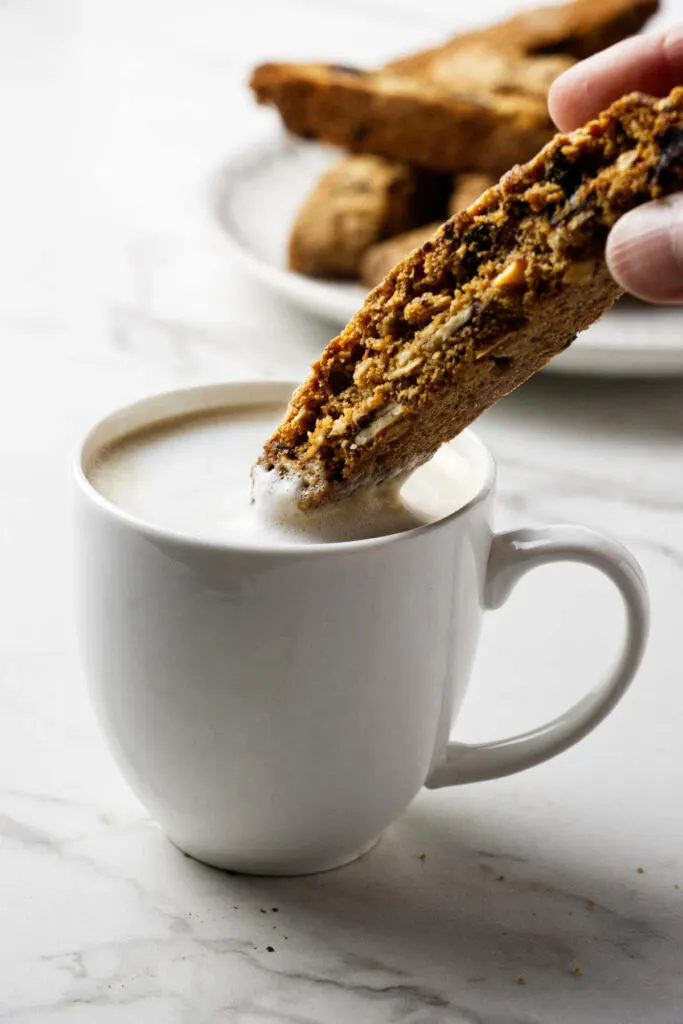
pixel 115 282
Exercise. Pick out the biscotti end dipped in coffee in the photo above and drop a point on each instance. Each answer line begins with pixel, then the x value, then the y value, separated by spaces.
pixel 502 288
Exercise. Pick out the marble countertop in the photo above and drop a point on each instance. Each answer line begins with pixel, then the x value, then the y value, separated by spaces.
pixel 552 897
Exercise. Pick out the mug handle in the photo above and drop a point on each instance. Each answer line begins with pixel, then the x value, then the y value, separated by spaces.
pixel 512 555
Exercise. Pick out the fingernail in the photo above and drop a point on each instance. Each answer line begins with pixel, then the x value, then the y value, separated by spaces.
pixel 645 251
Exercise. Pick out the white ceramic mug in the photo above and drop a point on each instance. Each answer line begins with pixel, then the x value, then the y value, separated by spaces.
pixel 276 709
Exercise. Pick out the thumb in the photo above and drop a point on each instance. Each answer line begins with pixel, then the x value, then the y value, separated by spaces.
pixel 645 251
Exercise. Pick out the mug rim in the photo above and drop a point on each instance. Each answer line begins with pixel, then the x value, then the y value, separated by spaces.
pixel 230 390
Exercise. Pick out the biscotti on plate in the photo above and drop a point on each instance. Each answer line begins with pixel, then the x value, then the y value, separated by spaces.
pixel 477 102
pixel 403 118
pixel 357 203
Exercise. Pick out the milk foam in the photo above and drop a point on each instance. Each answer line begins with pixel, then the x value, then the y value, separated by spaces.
pixel 192 475
pixel 374 512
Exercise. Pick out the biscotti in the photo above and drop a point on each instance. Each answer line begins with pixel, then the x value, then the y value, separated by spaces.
pixel 363 201
pixel 477 102
pixel 478 67
pixel 403 118
pixel 577 29
pixel 357 203
pixel 502 288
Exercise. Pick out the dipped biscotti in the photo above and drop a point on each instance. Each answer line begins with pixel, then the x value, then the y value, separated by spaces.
pixel 501 288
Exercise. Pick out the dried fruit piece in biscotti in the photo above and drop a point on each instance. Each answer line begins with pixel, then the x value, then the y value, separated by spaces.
pixel 502 288
pixel 358 202
pixel 404 118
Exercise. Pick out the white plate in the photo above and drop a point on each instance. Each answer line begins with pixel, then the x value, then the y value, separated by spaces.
pixel 256 195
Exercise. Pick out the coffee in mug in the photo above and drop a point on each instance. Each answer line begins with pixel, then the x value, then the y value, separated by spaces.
pixel 191 474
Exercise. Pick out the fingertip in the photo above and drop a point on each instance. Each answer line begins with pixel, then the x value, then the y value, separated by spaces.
pixel 649 63
pixel 556 101
pixel 645 251
pixel 568 98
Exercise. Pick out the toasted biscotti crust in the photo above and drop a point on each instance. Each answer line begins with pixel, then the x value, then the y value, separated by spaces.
pixel 403 118
pixel 479 67
pixel 502 288
pixel 578 29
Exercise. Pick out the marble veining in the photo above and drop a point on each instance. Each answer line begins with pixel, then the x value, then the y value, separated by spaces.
pixel 553 897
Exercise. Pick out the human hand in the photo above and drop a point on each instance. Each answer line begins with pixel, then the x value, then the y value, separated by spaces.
pixel 644 248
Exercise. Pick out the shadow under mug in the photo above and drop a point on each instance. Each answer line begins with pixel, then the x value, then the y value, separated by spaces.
pixel 275 709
